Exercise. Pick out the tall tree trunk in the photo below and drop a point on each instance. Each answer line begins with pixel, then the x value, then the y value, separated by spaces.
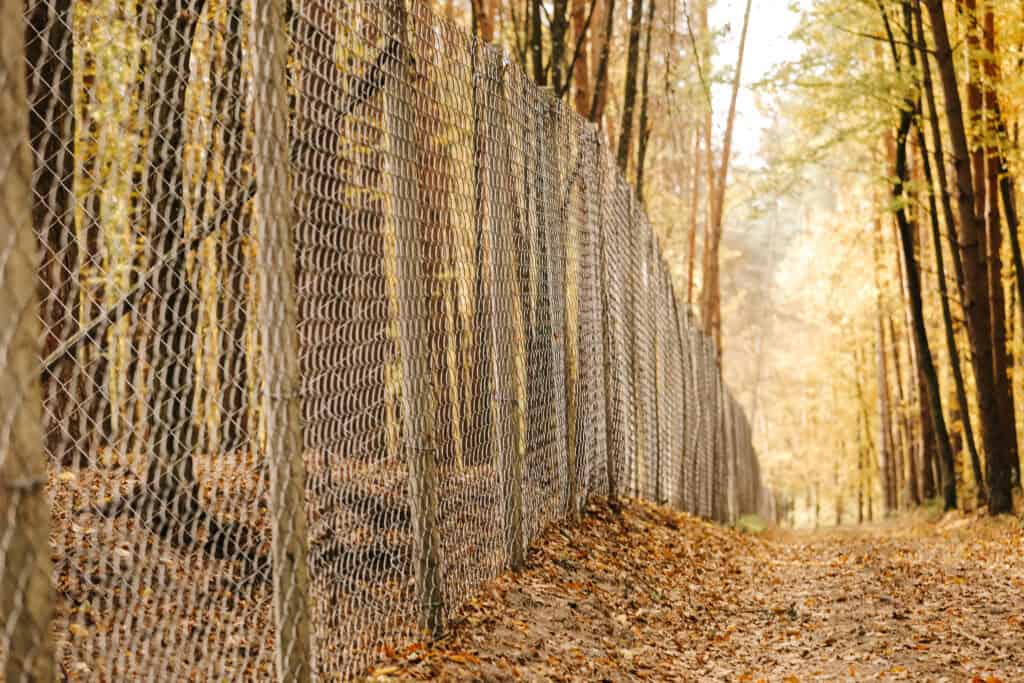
pixel 691 250
pixel 559 30
pixel 483 19
pixel 951 231
pixel 711 291
pixel 924 356
pixel 536 42
pixel 581 70
pixel 944 453
pixel 976 304
pixel 885 449
pixel 905 444
pixel 49 54
pixel 596 113
pixel 629 89
pixel 168 501
pixel 1000 361
pixel 926 365
pixel 921 451
pixel 643 134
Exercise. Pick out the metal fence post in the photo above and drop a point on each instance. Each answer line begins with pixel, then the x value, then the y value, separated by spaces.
pixel 613 439
pixel 507 378
pixel 26 596
pixel 656 283
pixel 273 226
pixel 418 429
pixel 566 251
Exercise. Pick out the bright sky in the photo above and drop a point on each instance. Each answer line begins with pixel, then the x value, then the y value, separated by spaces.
pixel 768 45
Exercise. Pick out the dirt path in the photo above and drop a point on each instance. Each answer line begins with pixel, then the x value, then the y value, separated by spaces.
pixel 660 596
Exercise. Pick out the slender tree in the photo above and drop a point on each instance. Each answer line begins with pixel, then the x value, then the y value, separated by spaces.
pixel 921 346
pixel 644 132
pixel 995 434
pixel 951 231
pixel 994 228
pixel 711 306
pixel 630 87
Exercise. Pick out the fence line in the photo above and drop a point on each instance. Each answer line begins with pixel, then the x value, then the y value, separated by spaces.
pixel 312 318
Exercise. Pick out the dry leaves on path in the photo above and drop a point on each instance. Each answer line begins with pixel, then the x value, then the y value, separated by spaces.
pixel 653 594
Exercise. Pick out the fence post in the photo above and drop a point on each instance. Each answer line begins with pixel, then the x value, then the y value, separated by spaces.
pixel 26 597
pixel 507 378
pixel 683 405
pixel 656 292
pixel 272 228
pixel 634 352
pixel 613 439
pixel 418 430
pixel 570 326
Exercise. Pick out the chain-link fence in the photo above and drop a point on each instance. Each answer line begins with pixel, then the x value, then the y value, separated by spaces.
pixel 312 317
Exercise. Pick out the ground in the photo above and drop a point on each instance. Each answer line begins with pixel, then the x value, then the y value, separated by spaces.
pixel 656 595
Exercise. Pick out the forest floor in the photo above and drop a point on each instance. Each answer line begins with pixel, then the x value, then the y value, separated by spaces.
pixel 656 595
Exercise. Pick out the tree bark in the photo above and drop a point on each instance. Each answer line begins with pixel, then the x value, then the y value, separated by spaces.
pixel 49 54
pixel 581 69
pixel 885 446
pixel 951 231
pixel 644 132
pixel 536 42
pixel 923 352
pixel 711 291
pixel 691 251
pixel 1000 360
pixel 596 113
pixel 976 304
pixel 559 30
pixel 946 462
pixel 903 431
pixel 629 89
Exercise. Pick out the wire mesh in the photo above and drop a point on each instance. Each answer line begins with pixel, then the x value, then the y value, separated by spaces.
pixel 313 320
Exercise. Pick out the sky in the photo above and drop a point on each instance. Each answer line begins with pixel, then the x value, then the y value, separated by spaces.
pixel 768 45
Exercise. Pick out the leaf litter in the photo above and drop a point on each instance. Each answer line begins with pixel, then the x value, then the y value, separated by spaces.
pixel 646 593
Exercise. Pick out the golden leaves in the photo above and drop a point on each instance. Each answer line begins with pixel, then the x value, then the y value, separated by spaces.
pixel 657 595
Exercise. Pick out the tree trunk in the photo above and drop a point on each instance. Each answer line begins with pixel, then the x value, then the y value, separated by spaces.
pixel 926 365
pixel 1000 361
pixel 643 134
pixel 536 42
pixel 629 89
pixel 711 291
pixel 885 447
pixel 596 113
pixel 49 53
pixel 905 440
pixel 581 70
pixel 951 230
pixel 559 29
pixel 483 20
pixel 995 434
pixel 694 210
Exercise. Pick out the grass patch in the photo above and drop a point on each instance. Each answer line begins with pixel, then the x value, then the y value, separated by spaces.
pixel 752 524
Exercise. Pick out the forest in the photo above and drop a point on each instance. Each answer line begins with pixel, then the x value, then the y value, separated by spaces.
pixel 867 250
pixel 511 339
